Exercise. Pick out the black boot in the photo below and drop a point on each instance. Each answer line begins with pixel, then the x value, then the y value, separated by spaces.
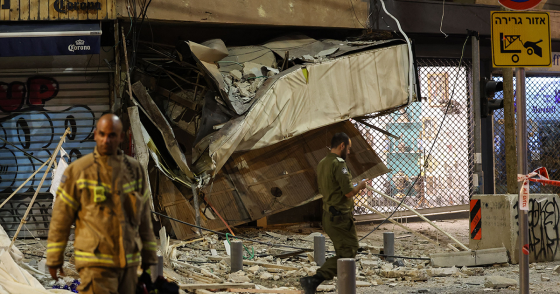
pixel 310 284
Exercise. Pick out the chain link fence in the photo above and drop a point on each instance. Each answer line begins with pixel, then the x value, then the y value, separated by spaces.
pixel 431 167
pixel 543 132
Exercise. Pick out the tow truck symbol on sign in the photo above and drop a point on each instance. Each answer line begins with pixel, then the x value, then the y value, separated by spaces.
pixel 508 40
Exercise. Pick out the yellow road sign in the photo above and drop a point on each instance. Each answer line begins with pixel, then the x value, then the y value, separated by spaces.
pixel 521 39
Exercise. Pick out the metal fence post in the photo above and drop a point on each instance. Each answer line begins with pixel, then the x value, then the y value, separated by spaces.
pixel 478 181
pixel 522 169
pixel 319 249
pixel 346 282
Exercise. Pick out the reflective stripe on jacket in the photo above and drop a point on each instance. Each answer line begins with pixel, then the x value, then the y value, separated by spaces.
pixel 108 199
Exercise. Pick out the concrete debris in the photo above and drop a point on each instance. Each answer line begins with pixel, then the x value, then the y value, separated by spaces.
pixel 237 75
pixel 498 282
pixel 443 272
pixel 265 276
pixel 202 266
pixel 238 277
pixel 409 275
pixel 254 269
pixel 473 271
pixel 326 288
pixel 362 284
pixel 252 70
pixel 278 236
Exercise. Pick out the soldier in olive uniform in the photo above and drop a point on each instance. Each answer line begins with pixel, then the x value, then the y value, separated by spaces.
pixel 334 181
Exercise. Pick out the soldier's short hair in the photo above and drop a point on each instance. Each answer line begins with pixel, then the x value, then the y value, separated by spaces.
pixel 339 138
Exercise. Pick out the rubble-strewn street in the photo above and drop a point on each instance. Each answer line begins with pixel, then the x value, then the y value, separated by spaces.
pixel 288 147
pixel 205 261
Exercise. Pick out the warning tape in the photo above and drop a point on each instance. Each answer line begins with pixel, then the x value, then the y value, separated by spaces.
pixel 543 178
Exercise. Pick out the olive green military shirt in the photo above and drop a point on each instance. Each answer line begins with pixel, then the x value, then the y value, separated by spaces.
pixel 334 181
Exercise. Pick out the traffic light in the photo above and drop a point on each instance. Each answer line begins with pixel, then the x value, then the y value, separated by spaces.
pixel 488 104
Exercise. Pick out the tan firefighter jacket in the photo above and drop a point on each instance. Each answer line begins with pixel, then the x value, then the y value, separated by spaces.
pixel 107 198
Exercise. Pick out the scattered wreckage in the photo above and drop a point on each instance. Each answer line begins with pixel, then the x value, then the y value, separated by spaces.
pixel 243 128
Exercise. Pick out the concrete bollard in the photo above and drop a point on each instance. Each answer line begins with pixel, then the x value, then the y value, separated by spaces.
pixel 236 257
pixel 346 277
pixel 389 245
pixel 160 266
pixel 319 249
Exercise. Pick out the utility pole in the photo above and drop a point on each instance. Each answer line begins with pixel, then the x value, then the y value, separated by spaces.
pixel 478 176
pixel 522 169
pixel 509 128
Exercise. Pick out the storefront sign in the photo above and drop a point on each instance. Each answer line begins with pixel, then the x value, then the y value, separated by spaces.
pixel 64 6
pixel 54 10
pixel 50 46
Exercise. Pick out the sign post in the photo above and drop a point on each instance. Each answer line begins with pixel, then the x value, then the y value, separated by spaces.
pixel 521 39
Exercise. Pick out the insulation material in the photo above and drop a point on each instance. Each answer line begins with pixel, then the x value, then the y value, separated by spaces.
pixel 309 49
pixel 308 97
pixel 13 278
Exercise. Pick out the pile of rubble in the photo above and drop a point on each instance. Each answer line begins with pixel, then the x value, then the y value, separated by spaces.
pixel 202 265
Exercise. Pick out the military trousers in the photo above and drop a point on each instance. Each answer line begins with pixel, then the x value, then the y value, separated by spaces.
pixel 342 231
pixel 106 280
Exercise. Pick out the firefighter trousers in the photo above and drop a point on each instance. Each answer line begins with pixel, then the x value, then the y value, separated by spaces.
pixel 342 231
pixel 105 280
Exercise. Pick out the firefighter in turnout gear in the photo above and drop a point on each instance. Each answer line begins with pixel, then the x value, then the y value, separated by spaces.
pixel 334 181
pixel 106 194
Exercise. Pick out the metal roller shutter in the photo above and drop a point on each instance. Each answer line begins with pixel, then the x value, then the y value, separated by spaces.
pixel 34 112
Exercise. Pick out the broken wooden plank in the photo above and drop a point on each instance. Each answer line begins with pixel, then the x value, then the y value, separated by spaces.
pixel 421 216
pixel 292 253
pixel 470 258
pixel 163 126
pixel 268 265
pixel 216 286
pixel 397 223
pixel 280 291
pixel 453 247
pixel 202 291
pixel 141 152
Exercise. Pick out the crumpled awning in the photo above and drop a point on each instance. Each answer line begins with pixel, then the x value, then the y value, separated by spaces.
pixel 310 96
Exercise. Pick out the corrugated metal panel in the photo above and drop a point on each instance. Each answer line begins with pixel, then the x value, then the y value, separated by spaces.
pixel 34 112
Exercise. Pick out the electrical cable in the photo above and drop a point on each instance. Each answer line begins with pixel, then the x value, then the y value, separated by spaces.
pixel 426 160
pixel 356 16
pixel 441 23
pixel 410 55
pixel 24 153
pixel 251 255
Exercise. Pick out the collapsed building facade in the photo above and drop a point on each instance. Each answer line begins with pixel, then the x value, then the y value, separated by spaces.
pixel 242 126
pixel 263 123
pixel 242 98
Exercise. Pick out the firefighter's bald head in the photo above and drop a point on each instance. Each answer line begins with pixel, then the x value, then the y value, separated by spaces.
pixel 108 134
